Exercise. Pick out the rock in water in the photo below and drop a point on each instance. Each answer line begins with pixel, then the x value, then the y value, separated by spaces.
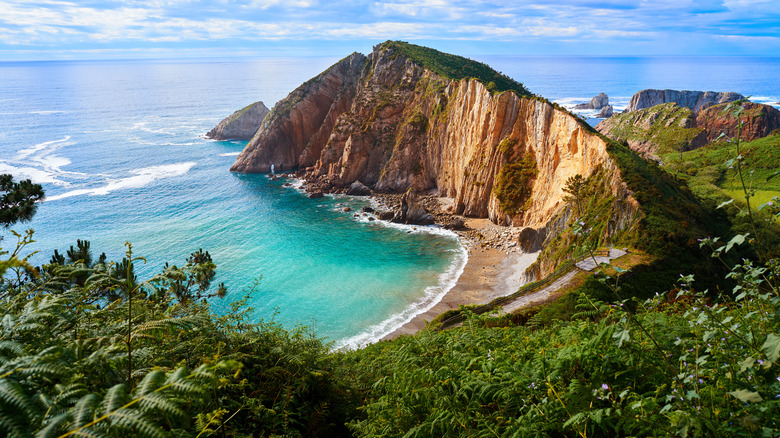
pixel 597 102
pixel 411 211
pixel 300 125
pixel 241 125
pixel 695 100
pixel 605 112
pixel 357 188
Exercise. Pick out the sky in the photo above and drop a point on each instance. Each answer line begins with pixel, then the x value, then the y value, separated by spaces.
pixel 107 29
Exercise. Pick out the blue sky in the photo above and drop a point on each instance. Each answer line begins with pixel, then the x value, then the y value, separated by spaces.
pixel 90 29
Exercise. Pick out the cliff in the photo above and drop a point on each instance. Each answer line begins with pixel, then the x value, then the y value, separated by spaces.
pixel 408 117
pixel 695 100
pixel 299 125
pixel 758 121
pixel 241 125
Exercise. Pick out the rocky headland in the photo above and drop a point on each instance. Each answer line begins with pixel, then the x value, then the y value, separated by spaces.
pixel 669 127
pixel 696 101
pixel 413 126
pixel 398 122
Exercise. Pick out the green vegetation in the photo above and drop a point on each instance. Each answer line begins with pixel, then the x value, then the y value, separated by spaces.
pixel 456 67
pixel 513 185
pixel 18 200
pixel 514 179
pixel 665 126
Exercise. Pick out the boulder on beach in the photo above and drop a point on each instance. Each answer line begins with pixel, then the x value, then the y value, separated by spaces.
pixel 316 195
pixel 357 188
pixel 411 211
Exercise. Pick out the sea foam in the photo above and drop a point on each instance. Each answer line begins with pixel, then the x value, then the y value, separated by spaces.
pixel 141 178
pixel 432 296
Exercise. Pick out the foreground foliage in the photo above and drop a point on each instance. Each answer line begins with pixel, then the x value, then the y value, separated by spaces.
pixel 679 366
pixel 86 349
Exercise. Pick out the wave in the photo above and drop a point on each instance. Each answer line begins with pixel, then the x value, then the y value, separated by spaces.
pixel 141 178
pixel 39 176
pixel 230 154
pixel 47 146
pixel 432 296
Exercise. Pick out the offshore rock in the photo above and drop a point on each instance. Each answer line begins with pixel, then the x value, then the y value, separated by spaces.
pixel 241 125
pixel 597 102
pixel 605 112
pixel 758 121
pixel 299 125
pixel 695 100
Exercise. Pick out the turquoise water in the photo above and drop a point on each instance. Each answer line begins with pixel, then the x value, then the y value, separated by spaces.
pixel 120 151
pixel 119 148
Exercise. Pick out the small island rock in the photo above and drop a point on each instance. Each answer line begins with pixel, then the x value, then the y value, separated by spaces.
pixel 241 125
pixel 598 102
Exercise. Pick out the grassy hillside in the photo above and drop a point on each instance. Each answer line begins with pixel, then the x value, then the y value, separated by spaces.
pixel 707 174
pixel 664 126
pixel 457 67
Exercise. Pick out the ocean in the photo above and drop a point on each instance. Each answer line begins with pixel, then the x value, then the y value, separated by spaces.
pixel 120 150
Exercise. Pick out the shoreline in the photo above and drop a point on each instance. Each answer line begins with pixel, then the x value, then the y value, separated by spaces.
pixel 495 267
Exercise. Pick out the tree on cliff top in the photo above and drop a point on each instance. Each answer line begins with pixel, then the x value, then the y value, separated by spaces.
pixel 17 200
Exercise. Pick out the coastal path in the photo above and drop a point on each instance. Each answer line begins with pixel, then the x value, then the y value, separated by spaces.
pixel 541 290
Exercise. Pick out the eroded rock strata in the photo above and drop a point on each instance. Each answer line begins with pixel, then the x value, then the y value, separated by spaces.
pixel 394 125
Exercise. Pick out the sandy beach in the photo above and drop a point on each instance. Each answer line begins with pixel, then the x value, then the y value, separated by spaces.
pixel 489 273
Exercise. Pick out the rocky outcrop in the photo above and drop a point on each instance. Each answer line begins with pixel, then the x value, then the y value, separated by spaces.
pixel 411 211
pixel 669 128
pixel 659 129
pixel 605 112
pixel 695 100
pixel 597 102
pixel 403 126
pixel 241 125
pixel 758 121
pixel 357 188
pixel 299 125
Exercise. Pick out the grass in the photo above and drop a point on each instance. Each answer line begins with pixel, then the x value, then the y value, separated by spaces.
pixel 707 174
pixel 665 127
pixel 457 67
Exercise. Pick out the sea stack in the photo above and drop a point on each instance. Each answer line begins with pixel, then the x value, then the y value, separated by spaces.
pixel 241 125
pixel 597 103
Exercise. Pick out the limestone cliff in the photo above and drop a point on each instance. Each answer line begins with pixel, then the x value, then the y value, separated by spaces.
pixel 404 118
pixel 695 100
pixel 241 125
